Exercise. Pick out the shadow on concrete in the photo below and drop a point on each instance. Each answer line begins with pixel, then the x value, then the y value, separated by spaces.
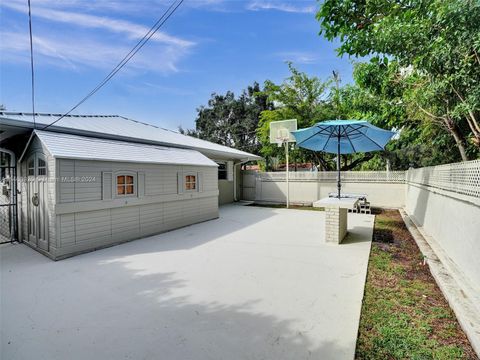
pixel 100 309
pixel 357 235
pixel 232 218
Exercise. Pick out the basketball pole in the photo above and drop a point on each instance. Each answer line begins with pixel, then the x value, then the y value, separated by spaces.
pixel 287 177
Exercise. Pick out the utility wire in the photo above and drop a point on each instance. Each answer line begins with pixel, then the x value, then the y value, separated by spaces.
pixel 166 15
pixel 31 62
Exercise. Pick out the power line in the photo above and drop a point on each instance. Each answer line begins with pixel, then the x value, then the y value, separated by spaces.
pixel 166 15
pixel 31 62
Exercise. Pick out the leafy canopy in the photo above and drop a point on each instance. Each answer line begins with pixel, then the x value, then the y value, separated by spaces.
pixel 232 121
pixel 435 42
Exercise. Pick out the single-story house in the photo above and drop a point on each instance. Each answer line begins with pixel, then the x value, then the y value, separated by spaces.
pixel 91 181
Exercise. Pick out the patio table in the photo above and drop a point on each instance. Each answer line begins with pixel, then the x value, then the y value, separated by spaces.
pixel 336 217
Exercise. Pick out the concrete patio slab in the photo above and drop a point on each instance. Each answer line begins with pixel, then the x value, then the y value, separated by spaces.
pixel 258 283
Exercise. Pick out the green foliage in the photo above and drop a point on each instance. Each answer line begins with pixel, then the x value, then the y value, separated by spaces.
pixel 436 45
pixel 383 95
pixel 302 97
pixel 232 121
pixel 423 79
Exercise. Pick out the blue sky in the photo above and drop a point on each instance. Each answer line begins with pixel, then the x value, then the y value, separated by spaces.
pixel 206 46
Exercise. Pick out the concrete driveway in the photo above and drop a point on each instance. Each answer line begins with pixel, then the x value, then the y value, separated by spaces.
pixel 258 283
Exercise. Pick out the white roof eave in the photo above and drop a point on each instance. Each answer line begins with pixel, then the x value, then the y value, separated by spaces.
pixel 203 146
pixel 69 146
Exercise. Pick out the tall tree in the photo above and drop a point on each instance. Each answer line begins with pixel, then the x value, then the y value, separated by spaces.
pixel 300 97
pixel 438 40
pixel 382 94
pixel 232 121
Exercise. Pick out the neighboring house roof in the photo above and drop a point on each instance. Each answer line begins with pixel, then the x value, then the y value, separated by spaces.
pixel 122 128
pixel 69 146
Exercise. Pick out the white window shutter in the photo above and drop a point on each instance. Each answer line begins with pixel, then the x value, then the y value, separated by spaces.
pixel 200 182
pixel 141 184
pixel 180 182
pixel 107 188
pixel 230 170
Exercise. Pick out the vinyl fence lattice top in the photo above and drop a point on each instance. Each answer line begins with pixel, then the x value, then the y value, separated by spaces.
pixel 350 176
pixel 462 178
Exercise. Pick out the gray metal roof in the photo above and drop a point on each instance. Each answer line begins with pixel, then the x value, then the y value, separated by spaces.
pixel 119 127
pixel 69 146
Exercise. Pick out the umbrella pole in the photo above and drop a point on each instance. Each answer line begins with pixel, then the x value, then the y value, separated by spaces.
pixel 339 185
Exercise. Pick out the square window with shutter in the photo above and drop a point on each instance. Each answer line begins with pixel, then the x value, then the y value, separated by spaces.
pixel 126 185
pixel 190 182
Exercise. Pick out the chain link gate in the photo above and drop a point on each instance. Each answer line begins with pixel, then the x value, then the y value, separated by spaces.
pixel 8 199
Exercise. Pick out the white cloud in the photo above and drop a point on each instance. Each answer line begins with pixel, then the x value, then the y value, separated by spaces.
pixel 299 57
pixel 281 6
pixel 60 50
pixel 87 40
pixel 132 30
pixel 128 7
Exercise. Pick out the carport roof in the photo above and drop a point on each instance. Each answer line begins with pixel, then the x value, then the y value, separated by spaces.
pixel 69 146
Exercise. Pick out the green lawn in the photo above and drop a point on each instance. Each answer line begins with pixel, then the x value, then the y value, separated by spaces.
pixel 404 314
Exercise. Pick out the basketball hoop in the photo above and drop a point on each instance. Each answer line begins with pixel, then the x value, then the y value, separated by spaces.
pixel 281 134
pixel 280 131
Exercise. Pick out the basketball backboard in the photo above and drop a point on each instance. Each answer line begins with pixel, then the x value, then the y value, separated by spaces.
pixel 280 131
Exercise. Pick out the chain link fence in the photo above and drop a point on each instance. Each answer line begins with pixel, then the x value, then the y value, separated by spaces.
pixel 7 199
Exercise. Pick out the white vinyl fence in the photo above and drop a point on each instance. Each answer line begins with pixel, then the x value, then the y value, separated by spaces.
pixel 346 176
pixel 384 188
pixel 462 178
pixel 445 202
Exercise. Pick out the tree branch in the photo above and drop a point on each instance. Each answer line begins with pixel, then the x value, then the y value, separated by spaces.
pixel 476 56
pixel 472 122
pixel 353 164
pixel 321 161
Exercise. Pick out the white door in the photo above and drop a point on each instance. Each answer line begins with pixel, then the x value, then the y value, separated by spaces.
pixel 37 192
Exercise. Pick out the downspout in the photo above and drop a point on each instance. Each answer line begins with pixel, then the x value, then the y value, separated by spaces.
pixel 13 195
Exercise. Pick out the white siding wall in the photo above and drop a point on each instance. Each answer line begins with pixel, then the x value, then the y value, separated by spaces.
pixel 86 221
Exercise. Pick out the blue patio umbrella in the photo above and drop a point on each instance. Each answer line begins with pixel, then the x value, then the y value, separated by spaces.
pixel 343 137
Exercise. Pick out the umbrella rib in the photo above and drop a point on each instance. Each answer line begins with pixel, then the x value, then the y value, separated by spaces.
pixel 369 138
pixel 318 132
pixel 348 138
pixel 326 142
pixel 366 136
pixel 357 129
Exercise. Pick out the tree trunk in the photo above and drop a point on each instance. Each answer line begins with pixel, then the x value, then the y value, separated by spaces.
pixel 458 137
pixel 447 122
pixel 366 157
pixel 471 120
pixel 323 164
